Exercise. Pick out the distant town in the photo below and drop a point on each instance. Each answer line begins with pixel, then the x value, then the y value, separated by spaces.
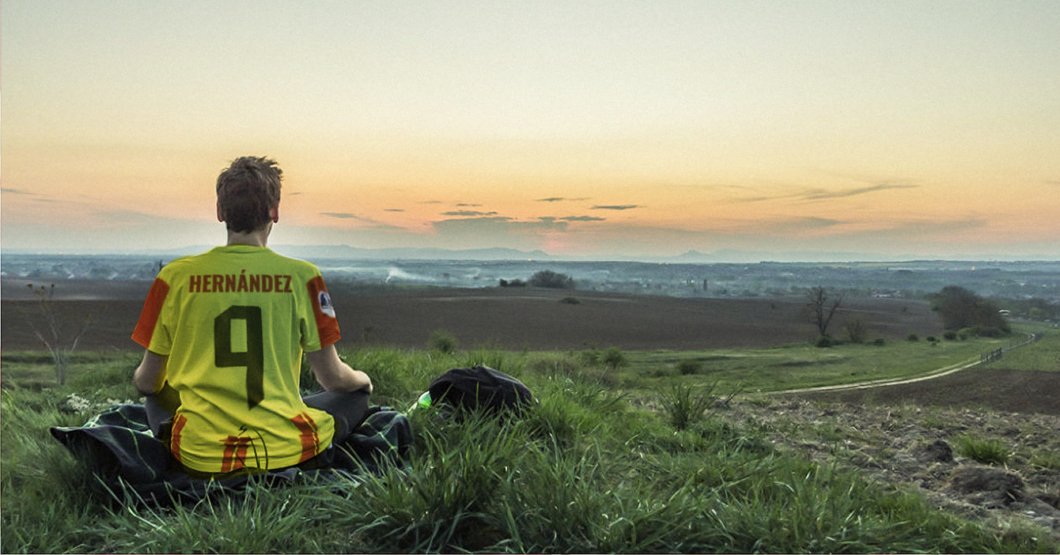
pixel 1018 280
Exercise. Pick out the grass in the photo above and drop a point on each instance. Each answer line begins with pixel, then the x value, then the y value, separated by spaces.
pixel 586 470
pixel 685 407
pixel 800 365
pixel 1044 357
pixel 986 451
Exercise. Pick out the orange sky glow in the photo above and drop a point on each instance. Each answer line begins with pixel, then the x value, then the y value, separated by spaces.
pixel 589 129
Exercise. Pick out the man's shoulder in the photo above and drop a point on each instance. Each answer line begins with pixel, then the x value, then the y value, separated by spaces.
pixel 179 264
pixel 236 259
pixel 292 262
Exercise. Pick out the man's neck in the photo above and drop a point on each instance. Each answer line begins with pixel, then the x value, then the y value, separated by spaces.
pixel 256 238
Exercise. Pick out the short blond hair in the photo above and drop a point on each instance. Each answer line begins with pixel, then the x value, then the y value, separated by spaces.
pixel 247 190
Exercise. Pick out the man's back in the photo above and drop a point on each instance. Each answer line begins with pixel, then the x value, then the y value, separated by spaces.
pixel 234 322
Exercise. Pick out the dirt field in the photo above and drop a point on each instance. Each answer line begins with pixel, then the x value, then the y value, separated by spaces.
pixel 541 319
pixel 512 318
pixel 992 387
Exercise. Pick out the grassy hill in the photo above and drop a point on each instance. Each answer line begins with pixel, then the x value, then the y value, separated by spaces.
pixel 626 453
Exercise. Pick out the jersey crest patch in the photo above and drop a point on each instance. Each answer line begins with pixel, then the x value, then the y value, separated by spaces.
pixel 325 303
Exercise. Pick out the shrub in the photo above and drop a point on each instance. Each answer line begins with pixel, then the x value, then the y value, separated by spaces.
pixel 824 342
pixel 856 331
pixel 914 337
pixel 688 367
pixel 590 356
pixel 879 342
pixel 961 308
pixel 949 335
pixel 990 331
pixel 570 300
pixel 986 451
pixel 442 340
pixel 684 407
pixel 551 280
pixel 59 339
pixel 614 358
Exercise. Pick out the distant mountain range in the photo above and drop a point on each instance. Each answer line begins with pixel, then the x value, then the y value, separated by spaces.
pixel 346 252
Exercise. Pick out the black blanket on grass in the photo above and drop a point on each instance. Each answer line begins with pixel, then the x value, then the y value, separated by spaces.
pixel 122 452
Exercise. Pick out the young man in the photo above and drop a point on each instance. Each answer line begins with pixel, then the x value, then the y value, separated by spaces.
pixel 225 330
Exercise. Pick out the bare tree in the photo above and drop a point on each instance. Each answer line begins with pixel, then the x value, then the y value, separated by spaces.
pixel 61 344
pixel 822 308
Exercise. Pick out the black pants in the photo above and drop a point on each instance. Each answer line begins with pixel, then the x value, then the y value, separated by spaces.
pixel 348 409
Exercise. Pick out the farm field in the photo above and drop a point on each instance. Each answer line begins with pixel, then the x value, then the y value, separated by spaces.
pixel 1027 380
pixel 754 345
pixel 507 318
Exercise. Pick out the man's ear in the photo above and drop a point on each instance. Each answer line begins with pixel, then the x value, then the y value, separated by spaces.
pixel 274 213
pixel 220 216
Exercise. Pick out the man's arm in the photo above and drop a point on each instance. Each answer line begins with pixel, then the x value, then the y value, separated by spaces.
pixel 335 375
pixel 147 373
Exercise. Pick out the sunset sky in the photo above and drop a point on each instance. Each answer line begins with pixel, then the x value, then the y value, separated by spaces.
pixel 620 129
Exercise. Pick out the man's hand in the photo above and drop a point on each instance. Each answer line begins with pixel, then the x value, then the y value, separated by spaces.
pixel 335 375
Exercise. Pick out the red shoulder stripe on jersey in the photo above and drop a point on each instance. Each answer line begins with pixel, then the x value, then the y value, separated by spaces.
pixel 145 328
pixel 327 324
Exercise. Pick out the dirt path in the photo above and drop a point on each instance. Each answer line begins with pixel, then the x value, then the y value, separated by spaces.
pixel 941 372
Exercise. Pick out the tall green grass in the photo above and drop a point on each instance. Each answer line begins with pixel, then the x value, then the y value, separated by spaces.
pixel 986 451
pixel 585 470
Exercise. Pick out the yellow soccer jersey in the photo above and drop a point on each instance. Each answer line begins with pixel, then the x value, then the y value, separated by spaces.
pixel 234 322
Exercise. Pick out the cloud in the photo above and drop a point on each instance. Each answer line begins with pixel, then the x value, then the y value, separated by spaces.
pixel 822 194
pixel 35 197
pixel 468 205
pixel 561 199
pixel 503 223
pixel 815 194
pixel 616 207
pixel 125 218
pixel 498 224
pixel 468 213
pixel 494 231
pixel 393 210
pixel 375 224
pixel 927 227
pixel 583 219
pixel 812 223
pixel 780 227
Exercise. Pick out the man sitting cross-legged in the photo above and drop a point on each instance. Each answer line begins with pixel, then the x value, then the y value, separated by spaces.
pixel 224 333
